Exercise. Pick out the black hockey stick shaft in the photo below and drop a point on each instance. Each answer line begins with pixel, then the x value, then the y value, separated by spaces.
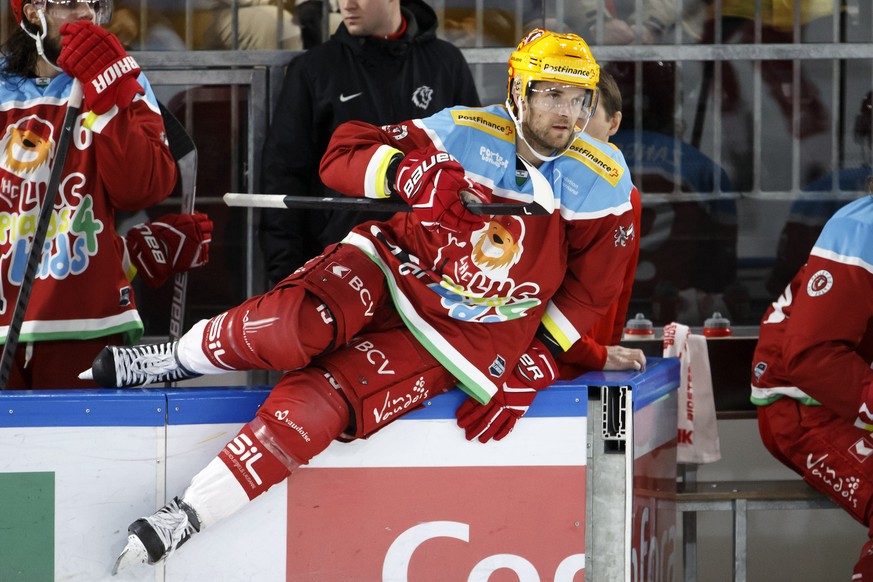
pixel 185 153
pixel 542 203
pixel 368 204
pixel 34 255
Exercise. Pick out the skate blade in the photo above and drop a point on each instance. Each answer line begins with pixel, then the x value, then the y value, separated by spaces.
pixel 133 553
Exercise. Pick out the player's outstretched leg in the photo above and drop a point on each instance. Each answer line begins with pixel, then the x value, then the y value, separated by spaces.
pixel 302 416
pixel 262 333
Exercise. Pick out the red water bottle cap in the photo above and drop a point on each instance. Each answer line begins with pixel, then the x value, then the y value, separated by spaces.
pixel 717 326
pixel 639 327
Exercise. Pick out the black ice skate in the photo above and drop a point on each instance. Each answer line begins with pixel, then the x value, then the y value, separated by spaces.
pixel 154 538
pixel 129 366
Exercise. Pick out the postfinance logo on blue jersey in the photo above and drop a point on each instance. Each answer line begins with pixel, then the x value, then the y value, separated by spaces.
pixel 487 122
pixel 595 159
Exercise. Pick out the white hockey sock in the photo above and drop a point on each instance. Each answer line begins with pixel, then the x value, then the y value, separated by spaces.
pixel 214 493
pixel 190 351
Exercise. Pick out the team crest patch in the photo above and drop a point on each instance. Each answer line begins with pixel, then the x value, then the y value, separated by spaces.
pixel 124 297
pixel 820 283
pixel 397 132
pixel 623 235
pixel 760 368
pixel 497 367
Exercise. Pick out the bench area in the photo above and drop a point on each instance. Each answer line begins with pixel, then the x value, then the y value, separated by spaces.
pixel 730 361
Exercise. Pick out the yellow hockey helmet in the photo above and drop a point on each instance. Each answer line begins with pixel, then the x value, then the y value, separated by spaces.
pixel 548 56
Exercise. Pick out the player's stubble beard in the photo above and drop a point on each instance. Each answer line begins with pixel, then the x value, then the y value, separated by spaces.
pixel 540 140
pixel 51 46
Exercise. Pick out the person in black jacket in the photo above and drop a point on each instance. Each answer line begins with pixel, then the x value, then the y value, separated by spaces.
pixel 383 64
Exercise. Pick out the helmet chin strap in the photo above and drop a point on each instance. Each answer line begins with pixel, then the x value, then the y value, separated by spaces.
pixel 518 127
pixel 38 38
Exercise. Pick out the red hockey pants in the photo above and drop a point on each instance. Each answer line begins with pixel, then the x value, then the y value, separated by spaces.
pixel 830 454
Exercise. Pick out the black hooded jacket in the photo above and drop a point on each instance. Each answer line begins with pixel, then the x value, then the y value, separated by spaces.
pixel 348 78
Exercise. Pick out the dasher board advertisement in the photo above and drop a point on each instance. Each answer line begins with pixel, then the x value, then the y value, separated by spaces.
pixel 416 501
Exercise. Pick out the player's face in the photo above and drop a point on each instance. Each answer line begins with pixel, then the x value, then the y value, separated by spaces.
pixel 600 125
pixel 57 13
pixel 71 10
pixel 369 17
pixel 552 112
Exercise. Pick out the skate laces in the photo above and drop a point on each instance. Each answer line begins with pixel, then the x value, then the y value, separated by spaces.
pixel 172 526
pixel 145 364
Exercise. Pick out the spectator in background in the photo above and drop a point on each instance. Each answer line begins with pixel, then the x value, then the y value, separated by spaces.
pixel 800 92
pixel 623 21
pixel 157 34
pixel 309 16
pixel 81 298
pixel 816 204
pixel 771 22
pixel 811 371
pixel 599 349
pixel 495 23
pixel 628 21
pixel 383 64
pixel 260 24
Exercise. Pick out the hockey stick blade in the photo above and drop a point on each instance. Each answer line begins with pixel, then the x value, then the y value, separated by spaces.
pixel 244 200
pixel 34 255
pixel 471 202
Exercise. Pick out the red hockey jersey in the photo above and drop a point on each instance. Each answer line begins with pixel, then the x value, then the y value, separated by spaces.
pixel 475 300
pixel 119 160
pixel 816 340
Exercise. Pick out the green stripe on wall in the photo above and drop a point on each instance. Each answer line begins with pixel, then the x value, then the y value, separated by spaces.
pixel 27 527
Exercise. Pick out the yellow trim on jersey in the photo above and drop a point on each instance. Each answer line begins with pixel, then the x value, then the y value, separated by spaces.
pixel 488 122
pixel 375 180
pixel 556 333
pixel 602 165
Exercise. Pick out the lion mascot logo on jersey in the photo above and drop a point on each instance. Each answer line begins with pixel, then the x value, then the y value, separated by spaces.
pixel 28 148
pixel 498 246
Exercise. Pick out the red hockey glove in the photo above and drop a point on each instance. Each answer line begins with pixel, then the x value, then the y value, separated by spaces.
pixel 171 244
pixel 536 370
pixel 433 183
pixel 95 57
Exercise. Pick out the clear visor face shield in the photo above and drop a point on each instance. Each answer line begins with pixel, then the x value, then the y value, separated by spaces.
pixel 101 10
pixel 572 101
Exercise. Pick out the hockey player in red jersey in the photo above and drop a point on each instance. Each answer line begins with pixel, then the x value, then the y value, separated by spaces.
pixel 811 371
pixel 599 349
pixel 118 160
pixel 405 309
